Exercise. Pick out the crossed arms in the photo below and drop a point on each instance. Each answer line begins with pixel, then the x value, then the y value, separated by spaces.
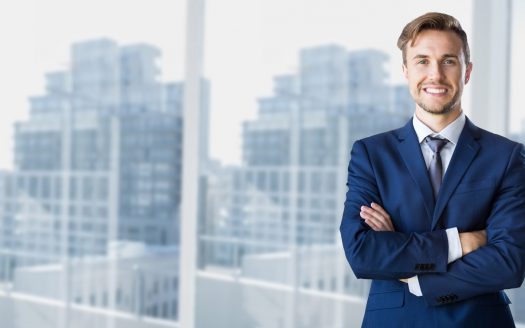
pixel 493 258
pixel 379 220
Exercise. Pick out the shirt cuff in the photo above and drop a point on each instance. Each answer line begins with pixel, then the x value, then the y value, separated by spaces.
pixel 454 245
pixel 414 287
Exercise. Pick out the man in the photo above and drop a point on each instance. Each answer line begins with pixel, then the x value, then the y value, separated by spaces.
pixel 435 211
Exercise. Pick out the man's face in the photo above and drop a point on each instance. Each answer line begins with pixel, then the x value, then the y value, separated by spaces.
pixel 436 72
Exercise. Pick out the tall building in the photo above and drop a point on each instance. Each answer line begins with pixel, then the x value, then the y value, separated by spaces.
pixel 289 191
pixel 97 161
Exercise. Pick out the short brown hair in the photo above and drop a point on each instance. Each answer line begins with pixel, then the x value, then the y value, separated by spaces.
pixel 432 21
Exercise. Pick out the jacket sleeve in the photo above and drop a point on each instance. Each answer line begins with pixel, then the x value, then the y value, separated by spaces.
pixel 501 263
pixel 382 254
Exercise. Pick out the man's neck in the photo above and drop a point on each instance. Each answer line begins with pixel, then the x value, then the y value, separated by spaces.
pixel 437 122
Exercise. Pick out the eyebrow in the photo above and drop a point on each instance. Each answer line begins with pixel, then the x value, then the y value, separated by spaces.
pixel 442 57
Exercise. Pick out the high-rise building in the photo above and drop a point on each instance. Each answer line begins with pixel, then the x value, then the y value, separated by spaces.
pixel 289 190
pixel 98 160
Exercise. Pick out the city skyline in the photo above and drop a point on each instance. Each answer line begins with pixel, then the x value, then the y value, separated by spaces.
pixel 42 45
pixel 95 193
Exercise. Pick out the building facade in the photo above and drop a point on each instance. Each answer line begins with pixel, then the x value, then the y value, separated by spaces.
pixel 289 191
pixel 97 162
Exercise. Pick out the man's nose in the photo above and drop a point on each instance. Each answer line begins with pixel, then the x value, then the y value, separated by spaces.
pixel 435 71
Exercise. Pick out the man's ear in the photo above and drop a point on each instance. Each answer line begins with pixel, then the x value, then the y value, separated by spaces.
pixel 467 72
pixel 405 70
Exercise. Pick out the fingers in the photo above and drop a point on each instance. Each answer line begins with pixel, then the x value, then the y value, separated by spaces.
pixel 377 220
pixel 378 208
pixel 375 224
pixel 380 214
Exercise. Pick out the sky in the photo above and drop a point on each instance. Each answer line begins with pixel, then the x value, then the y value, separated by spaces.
pixel 247 42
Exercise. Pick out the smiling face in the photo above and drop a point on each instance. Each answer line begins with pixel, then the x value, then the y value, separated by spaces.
pixel 436 72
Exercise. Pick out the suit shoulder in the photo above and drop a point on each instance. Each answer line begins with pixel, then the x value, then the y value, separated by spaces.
pixel 496 140
pixel 380 138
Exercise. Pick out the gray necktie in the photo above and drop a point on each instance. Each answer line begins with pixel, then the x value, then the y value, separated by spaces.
pixel 435 169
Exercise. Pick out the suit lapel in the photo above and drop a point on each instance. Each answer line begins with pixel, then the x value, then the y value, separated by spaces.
pixel 465 151
pixel 410 151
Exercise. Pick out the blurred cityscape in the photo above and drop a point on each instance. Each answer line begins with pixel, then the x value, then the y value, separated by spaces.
pixel 90 214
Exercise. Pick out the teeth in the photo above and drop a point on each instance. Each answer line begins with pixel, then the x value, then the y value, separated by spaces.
pixel 434 90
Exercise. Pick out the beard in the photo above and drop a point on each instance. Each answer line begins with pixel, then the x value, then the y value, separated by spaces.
pixel 439 109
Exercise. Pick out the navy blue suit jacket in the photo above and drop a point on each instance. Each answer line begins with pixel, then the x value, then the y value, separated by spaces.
pixel 483 188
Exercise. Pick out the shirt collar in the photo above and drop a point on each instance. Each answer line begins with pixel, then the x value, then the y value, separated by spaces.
pixel 451 132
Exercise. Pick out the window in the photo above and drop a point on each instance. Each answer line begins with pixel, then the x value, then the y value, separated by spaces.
pixel 90 78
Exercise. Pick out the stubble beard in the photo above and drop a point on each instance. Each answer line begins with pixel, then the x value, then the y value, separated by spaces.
pixel 445 109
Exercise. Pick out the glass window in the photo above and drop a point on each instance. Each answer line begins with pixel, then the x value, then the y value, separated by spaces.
pixel 84 78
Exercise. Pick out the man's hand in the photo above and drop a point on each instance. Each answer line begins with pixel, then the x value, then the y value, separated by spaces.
pixel 377 218
pixel 470 241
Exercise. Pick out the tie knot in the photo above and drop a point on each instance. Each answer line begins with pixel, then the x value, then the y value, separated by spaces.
pixel 436 144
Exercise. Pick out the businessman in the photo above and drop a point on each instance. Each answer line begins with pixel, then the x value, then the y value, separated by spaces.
pixel 435 210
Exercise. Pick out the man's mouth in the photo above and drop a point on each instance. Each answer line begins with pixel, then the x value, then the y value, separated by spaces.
pixel 435 91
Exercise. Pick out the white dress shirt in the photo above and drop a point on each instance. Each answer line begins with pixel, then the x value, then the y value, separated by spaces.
pixel 451 132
